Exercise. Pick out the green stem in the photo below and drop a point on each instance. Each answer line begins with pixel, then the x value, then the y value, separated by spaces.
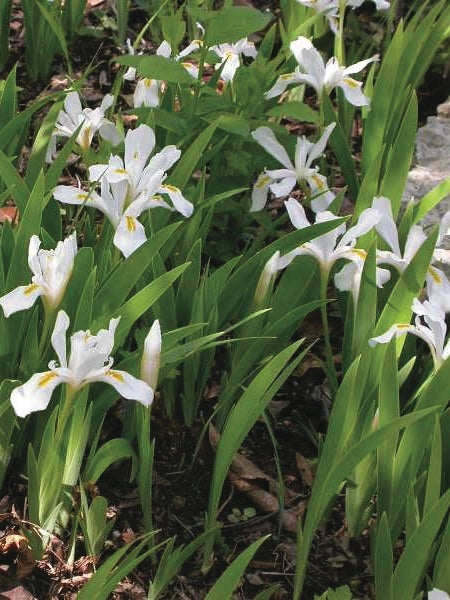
pixel 329 361
pixel 64 412
pixel 45 335
pixel 201 65
pixel 339 40
pixel 321 124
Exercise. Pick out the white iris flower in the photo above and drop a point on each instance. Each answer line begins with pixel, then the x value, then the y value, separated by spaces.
pixel 432 330
pixel 89 362
pixel 313 71
pixel 328 248
pixel 230 54
pixel 330 8
pixel 91 121
pixel 148 90
pixel 282 181
pixel 51 273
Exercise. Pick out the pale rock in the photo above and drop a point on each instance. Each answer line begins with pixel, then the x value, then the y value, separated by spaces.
pixel 432 166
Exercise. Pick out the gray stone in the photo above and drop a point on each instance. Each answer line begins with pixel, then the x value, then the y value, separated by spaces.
pixel 431 168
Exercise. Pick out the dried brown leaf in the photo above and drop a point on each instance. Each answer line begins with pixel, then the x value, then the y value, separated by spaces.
pixel 305 469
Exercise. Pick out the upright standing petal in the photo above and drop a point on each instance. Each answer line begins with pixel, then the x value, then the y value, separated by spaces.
pixel 438 288
pixel 386 227
pixel 266 138
pixel 146 93
pixel 269 271
pixel 59 335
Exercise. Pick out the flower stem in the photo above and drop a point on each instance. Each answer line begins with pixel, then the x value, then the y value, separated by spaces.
pixel 339 40
pixel 329 361
pixel 48 325
pixel 64 412
pixel 321 124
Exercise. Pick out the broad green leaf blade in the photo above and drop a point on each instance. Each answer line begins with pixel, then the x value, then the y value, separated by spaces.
pixel 399 157
pixel 340 146
pixel 295 110
pixel 240 420
pixel 7 424
pixel 441 574
pixel 408 287
pixel 158 67
pixel 233 23
pixel 30 224
pixel 55 26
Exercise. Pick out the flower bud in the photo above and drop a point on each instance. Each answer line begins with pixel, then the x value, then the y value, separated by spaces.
pixel 270 269
pixel 151 355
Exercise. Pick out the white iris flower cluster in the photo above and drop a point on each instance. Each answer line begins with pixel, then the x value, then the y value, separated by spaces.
pixel 129 186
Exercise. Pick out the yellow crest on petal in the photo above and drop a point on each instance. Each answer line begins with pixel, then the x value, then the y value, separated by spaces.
pixel 170 188
pixel 116 375
pixel 46 379
pixel 262 182
pixel 435 276
pixel 30 289
pixel 352 83
pixel 131 224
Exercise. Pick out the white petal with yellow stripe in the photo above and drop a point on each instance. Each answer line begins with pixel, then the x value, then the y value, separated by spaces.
pixel 22 298
pixel 35 394
pixel 127 386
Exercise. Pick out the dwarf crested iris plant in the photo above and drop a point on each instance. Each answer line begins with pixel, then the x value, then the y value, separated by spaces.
pixel 318 143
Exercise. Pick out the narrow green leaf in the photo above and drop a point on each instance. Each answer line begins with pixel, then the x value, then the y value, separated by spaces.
pixel 226 584
pixel 417 553
pixel 14 182
pixel 38 152
pixel 30 224
pixel 430 200
pixel 139 303
pixel 189 159
pixel 115 289
pixel 384 561
pixel 434 476
pixel 111 452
